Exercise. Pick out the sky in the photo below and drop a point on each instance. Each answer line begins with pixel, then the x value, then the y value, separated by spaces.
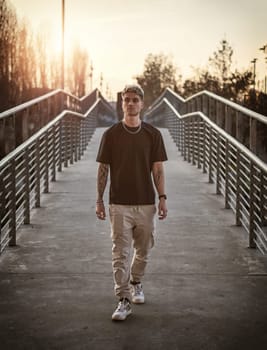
pixel 119 34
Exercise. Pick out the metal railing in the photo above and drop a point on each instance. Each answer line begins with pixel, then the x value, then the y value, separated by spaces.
pixel 239 175
pixel 248 127
pixel 19 123
pixel 26 172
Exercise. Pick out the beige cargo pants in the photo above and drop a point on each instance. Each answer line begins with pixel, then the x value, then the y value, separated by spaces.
pixel 131 226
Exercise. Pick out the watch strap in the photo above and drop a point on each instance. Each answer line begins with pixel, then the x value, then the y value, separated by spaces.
pixel 163 196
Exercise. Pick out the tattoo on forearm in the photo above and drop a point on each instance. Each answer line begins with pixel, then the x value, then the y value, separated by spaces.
pixel 158 178
pixel 102 178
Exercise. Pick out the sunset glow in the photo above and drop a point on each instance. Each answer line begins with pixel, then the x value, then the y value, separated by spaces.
pixel 119 34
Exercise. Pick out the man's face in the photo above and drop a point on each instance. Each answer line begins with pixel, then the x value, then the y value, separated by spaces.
pixel 132 104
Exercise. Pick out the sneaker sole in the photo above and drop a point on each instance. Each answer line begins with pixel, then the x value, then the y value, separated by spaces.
pixel 138 301
pixel 119 318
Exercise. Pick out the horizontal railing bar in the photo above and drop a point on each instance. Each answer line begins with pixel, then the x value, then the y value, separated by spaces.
pixel 228 137
pixel 238 173
pixel 41 131
pixel 30 103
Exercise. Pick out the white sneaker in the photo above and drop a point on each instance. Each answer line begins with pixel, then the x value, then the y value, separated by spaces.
pixel 122 311
pixel 138 296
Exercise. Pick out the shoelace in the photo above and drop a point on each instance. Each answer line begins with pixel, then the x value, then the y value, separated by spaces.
pixel 138 289
pixel 122 305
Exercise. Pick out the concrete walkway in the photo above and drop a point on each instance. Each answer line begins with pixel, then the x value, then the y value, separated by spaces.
pixel 204 288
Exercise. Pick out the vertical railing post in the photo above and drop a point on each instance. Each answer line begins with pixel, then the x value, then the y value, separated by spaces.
pixel 186 135
pixel 13 230
pixel 193 141
pixel 66 140
pixel 253 135
pixel 27 187
pixel 238 190
pixel 72 138
pixel 263 198
pixel 46 172
pixel 37 174
pixel 79 139
pixel 239 127
pixel 83 124
pixel 76 139
pixel 54 154
pixel 184 138
pixel 2 138
pixel 179 134
pixel 210 155
pixel 219 116
pixel 227 170
pixel 208 107
pixel 252 235
pixel 25 125
pixel 189 138
pixel 2 206
pixel 85 133
pixel 204 147
pixel 60 146
pixel 198 144
pixel 218 164
pixel 228 120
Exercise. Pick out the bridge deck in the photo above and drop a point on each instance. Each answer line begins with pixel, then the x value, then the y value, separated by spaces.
pixel 204 288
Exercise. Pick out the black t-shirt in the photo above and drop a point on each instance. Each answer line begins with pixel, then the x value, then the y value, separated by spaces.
pixel 131 157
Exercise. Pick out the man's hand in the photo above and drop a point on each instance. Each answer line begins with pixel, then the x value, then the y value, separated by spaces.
pixel 100 210
pixel 162 209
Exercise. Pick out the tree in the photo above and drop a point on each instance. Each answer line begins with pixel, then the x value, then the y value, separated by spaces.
pixel 203 80
pixel 78 71
pixel 41 55
pixel 26 71
pixel 221 62
pixel 55 72
pixel 239 85
pixel 218 77
pixel 159 73
pixel 8 32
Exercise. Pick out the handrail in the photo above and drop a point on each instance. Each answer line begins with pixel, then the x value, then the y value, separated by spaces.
pixel 248 127
pixel 229 103
pixel 231 139
pixel 33 138
pixel 21 122
pixel 239 175
pixel 236 106
pixel 27 171
pixel 34 101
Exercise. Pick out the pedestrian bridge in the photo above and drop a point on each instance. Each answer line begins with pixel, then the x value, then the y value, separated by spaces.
pixel 206 283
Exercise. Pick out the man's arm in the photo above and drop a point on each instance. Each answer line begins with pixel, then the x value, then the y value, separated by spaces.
pixel 159 181
pixel 102 178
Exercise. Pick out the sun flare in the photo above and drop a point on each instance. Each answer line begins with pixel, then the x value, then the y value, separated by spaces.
pixel 56 43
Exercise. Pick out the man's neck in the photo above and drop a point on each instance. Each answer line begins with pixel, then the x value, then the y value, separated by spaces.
pixel 132 122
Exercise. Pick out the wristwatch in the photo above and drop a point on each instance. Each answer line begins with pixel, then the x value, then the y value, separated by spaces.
pixel 163 196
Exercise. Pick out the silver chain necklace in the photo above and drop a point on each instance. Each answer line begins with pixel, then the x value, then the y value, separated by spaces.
pixel 132 132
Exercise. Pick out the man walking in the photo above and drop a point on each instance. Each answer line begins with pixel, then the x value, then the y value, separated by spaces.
pixel 133 152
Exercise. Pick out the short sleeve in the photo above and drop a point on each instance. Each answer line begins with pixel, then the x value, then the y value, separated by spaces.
pixel 159 153
pixel 104 151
